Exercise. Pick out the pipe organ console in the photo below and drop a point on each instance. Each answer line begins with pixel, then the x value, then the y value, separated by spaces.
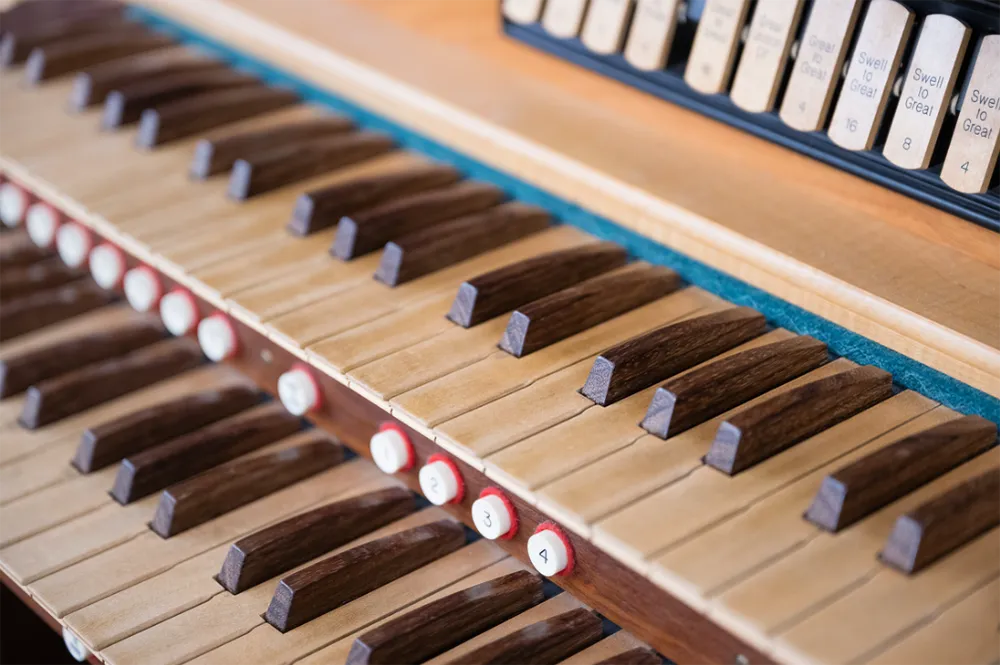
pixel 355 332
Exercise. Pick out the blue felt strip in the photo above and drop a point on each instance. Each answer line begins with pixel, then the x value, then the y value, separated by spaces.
pixel 907 372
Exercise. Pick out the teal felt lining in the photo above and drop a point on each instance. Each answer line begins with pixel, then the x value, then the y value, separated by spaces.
pixel 907 372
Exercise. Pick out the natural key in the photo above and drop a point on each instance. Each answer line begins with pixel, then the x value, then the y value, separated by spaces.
pixel 714 50
pixel 154 469
pixel 926 93
pixel 765 54
pixel 278 548
pixel 703 393
pixel 944 523
pixel 492 293
pixel 548 641
pixel 113 440
pixel 972 155
pixel 862 487
pixel 570 311
pixel 228 486
pixel 337 580
pixel 68 394
pixel 870 75
pixel 763 430
pixel 431 629
pixel 817 67
pixel 638 363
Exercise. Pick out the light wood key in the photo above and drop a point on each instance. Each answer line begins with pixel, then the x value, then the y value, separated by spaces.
pixel 435 627
pixel 498 291
pixel 73 55
pixel 89 386
pixel 862 487
pixel 186 117
pixel 111 441
pixel 640 362
pixel 570 311
pixel 699 395
pixel 944 523
pixel 287 544
pixel 228 486
pixel 755 434
pixel 323 208
pixel 33 312
pixel 443 245
pixel 152 470
pixel 369 230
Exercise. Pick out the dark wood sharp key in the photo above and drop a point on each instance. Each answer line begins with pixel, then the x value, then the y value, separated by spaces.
pixel 154 469
pixel 42 308
pixel 72 55
pixel 337 580
pixel 26 16
pixel 291 542
pixel 438 626
pixel 498 291
pixel 186 117
pixel 21 370
pixel 215 155
pixel 92 86
pixel 442 245
pixel 640 362
pixel 125 105
pixel 879 478
pixel 945 523
pixel 17 250
pixel 102 381
pixel 114 440
pixel 298 160
pixel 16 46
pixel 548 641
pixel 703 393
pixel 19 281
pixel 369 230
pixel 570 311
pixel 767 428
pixel 226 487
pixel 322 208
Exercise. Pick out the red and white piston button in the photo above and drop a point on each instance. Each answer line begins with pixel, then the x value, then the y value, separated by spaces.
pixel 391 449
pixel 494 515
pixel 550 550
pixel 441 481
pixel 42 222
pixel 74 242
pixel 107 265
pixel 299 391
pixel 13 204
pixel 143 288
pixel 179 312
pixel 217 337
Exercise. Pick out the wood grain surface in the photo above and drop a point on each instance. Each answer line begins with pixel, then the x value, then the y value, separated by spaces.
pixel 19 281
pixel 548 641
pixel 72 55
pixel 16 46
pixel 42 308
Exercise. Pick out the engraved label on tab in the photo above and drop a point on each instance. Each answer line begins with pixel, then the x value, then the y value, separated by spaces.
pixel 972 155
pixel 562 18
pixel 522 11
pixel 870 74
pixel 817 67
pixel 604 26
pixel 711 60
pixel 926 92
pixel 651 34
pixel 765 55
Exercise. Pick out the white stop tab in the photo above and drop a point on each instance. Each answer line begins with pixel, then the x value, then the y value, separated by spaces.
pixel 298 390
pixel 107 265
pixel 391 449
pixel 493 516
pixel 13 203
pixel 549 551
pixel 42 222
pixel 179 312
pixel 217 337
pixel 73 243
pixel 143 288
pixel 440 481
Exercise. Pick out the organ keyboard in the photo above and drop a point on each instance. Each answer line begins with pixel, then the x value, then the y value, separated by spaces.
pixel 686 461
